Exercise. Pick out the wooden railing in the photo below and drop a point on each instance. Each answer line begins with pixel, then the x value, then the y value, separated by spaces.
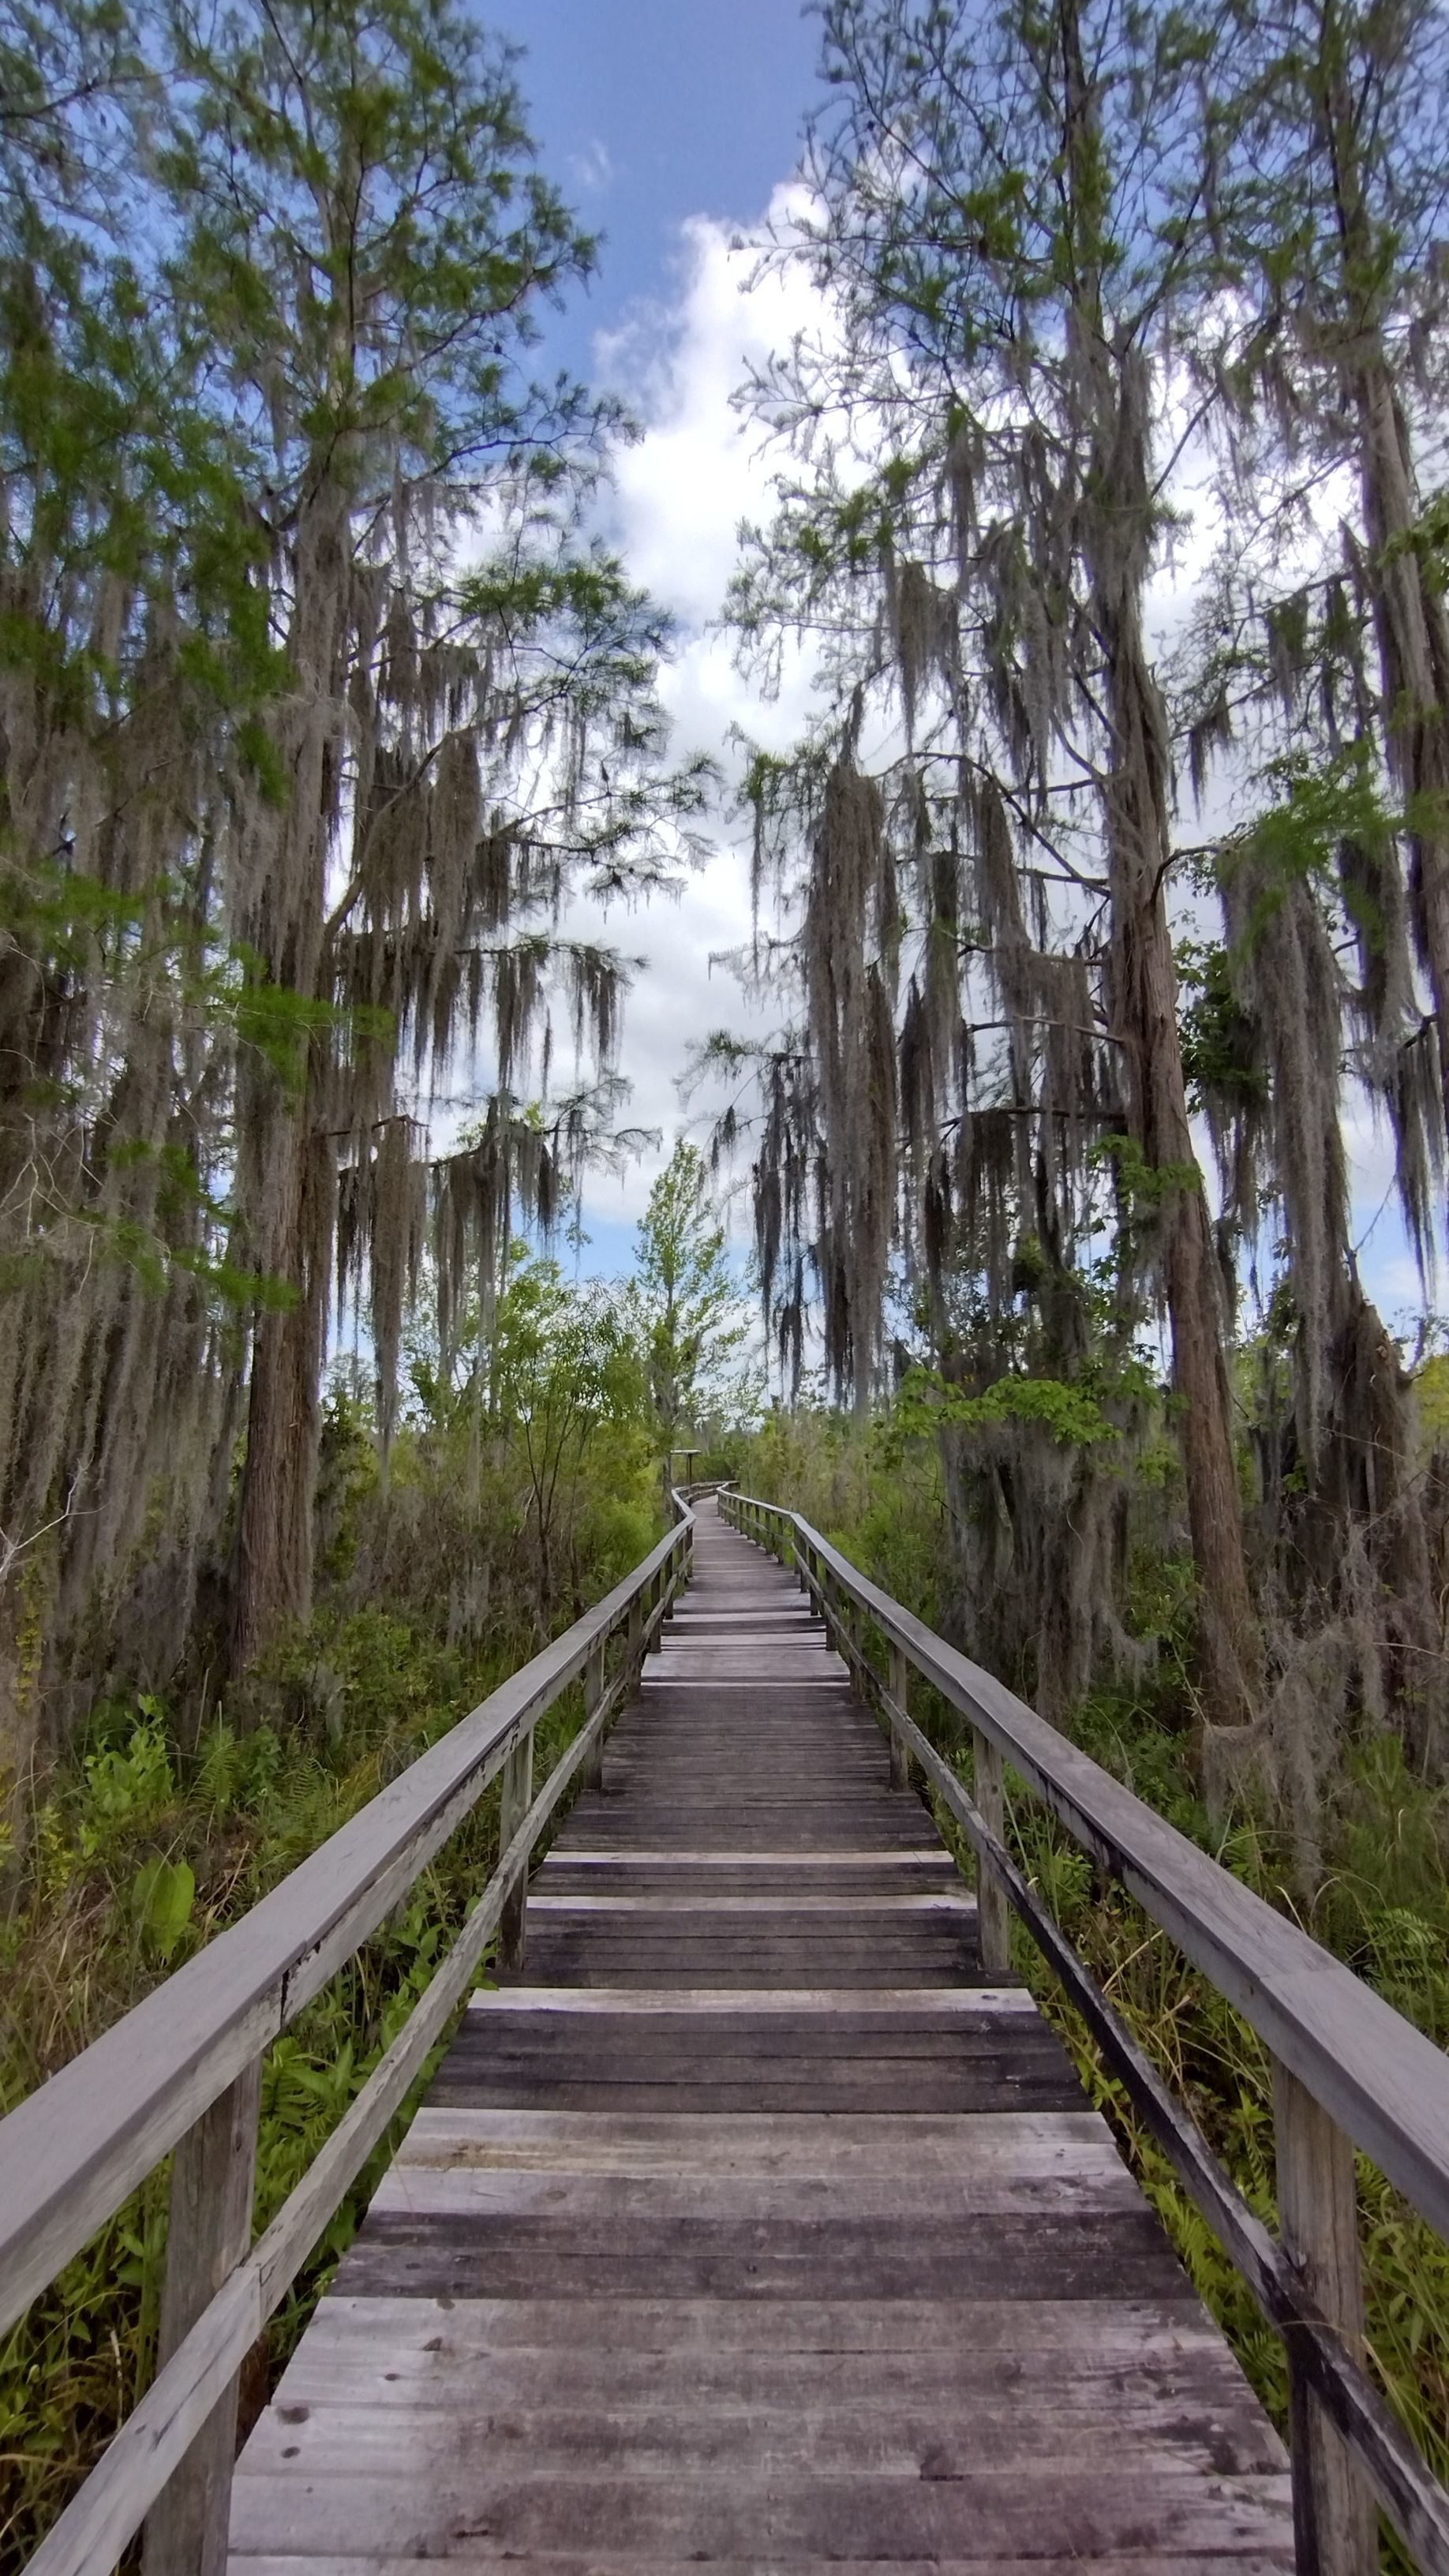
pixel 181 2075
pixel 1348 2071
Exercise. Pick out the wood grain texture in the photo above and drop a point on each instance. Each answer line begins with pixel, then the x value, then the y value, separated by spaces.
pixel 71 2153
pixel 1333 2505
pixel 208 2233
pixel 470 2558
pixel 757 2227
pixel 1376 2076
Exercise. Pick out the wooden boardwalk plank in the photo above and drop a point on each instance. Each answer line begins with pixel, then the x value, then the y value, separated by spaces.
pixel 749 2225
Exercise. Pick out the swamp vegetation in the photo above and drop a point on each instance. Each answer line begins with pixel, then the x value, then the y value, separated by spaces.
pixel 1101 914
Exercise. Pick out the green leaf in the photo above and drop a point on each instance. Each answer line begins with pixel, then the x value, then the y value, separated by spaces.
pixel 163 1893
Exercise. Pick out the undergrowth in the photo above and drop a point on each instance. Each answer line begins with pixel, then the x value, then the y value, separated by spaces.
pixel 1384 1910
pixel 153 1835
pixel 1380 1903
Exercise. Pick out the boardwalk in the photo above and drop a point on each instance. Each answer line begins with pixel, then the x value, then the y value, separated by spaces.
pixel 749 2227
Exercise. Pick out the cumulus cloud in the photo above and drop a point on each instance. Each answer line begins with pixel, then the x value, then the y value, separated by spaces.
pixel 698 470
pixel 680 495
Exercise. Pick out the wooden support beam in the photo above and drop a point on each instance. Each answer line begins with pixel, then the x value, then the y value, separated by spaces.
pixel 1335 2526
pixel 209 2232
pixel 593 1693
pixel 517 1798
pixel 900 1690
pixel 993 1919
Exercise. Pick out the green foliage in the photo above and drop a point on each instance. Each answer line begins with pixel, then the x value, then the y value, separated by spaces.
pixel 682 1300
pixel 1431 1392
pixel 544 1423
pixel 1427 541
pixel 926 1401
pixel 126 1786
pixel 1219 1059
pixel 1143 1185
pixel 1382 1903
pixel 163 1217
pixel 270 279
pixel 1317 803
pixel 163 1893
pixel 157 1835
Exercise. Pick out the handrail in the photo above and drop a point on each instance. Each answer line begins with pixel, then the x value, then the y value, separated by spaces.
pixel 182 2070
pixel 1348 2069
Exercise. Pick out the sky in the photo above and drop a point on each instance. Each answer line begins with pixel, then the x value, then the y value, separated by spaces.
pixel 670 125
pixel 673 126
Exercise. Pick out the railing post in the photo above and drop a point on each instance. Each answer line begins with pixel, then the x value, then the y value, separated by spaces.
pixel 993 1921
pixel 900 1690
pixel 656 1588
pixel 1335 2524
pixel 634 1643
pixel 513 1806
pixel 593 1692
pixel 209 2231
pixel 845 1614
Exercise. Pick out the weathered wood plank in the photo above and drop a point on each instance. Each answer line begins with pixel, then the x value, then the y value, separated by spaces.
pixel 1333 2505
pixel 1381 2080
pixel 989 2089
pixel 1001 2335
pixel 746 1908
pixel 208 2232
pixel 765 2521
pixel 759 2142
pixel 823 2433
pixel 153 2442
pixel 1052 2187
pixel 71 2153
pixel 894 2009
pixel 1122 2252
pixel 569 1856
pixel 989 1784
pixel 830 2264
pixel 467 2561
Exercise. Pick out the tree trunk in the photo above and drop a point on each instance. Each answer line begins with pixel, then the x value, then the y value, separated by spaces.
pixel 290 1192
pixel 1413 643
pixel 1111 386
pixel 274 1531
pixel 1411 625
pixel 1144 1004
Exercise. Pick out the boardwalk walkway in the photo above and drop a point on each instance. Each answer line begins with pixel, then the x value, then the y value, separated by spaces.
pixel 748 2227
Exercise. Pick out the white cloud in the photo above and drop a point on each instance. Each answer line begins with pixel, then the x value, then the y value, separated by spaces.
pixel 680 494
pixel 699 469
pixel 591 170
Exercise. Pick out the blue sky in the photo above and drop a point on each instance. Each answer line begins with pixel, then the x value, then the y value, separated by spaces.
pixel 651 112
pixel 671 128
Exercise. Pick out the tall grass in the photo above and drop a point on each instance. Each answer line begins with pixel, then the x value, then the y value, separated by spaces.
pixel 1381 1904
pixel 151 1836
